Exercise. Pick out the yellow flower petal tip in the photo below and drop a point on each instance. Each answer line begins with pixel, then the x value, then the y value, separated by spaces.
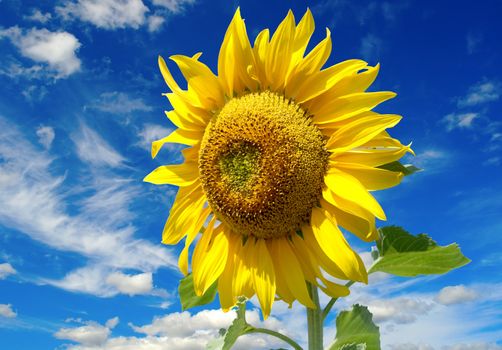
pixel 270 137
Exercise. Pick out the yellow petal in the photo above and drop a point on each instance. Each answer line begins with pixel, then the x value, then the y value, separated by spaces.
pixel 303 32
pixel 320 258
pixel 346 106
pixel 264 277
pixel 189 204
pixel 243 277
pixel 288 266
pixel 282 288
pixel 350 189
pixel 359 132
pixel 183 258
pixel 209 258
pixel 351 217
pixel 349 84
pixel 168 78
pixel 371 156
pixel 182 123
pixel 200 78
pixel 324 80
pixel 279 52
pixel 225 282
pixel 192 114
pixel 184 137
pixel 235 58
pixel 179 174
pixel 309 65
pixel 260 49
pixel 371 178
pixel 334 245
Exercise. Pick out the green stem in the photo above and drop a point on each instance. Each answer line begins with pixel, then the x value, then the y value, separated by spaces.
pixel 330 304
pixel 277 335
pixel 315 320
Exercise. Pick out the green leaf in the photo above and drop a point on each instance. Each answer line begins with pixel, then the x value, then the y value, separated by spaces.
pixel 403 254
pixel 355 330
pixel 238 327
pixel 406 169
pixel 188 297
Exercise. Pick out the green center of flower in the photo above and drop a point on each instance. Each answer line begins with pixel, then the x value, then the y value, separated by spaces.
pixel 262 165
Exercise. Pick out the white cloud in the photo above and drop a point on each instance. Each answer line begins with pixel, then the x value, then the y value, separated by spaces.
pixel 119 103
pixel 184 331
pixel 131 284
pixel 175 6
pixel 155 23
pixel 93 149
pixel 480 93
pixel 38 16
pixel 35 199
pixel 6 311
pixel 371 46
pixel 474 346
pixel 150 133
pixel 106 14
pixel 91 334
pixel 399 310
pixel 410 346
pixel 459 121
pixel 455 295
pixel 56 49
pixel 46 135
pixel 6 269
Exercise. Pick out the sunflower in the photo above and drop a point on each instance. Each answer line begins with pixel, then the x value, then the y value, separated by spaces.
pixel 281 153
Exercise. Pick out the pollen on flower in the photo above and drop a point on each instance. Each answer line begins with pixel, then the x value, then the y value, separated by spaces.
pixel 262 164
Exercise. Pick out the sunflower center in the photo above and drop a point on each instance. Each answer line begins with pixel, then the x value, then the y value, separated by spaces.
pixel 262 165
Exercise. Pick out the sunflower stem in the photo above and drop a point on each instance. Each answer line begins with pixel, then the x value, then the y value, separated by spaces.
pixel 315 320
pixel 330 304
pixel 277 335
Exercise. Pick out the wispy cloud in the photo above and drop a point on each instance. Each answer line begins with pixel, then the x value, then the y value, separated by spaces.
pixel 371 47
pixel 174 6
pixel 480 93
pixel 93 149
pixel 459 120
pixel 37 16
pixel 35 200
pixel 119 103
pixel 472 42
pixel 55 49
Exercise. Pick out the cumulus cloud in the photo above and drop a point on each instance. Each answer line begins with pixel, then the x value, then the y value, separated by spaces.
pixel 459 120
pixel 472 42
pixel 480 93
pixel 455 295
pixel 398 310
pixel 106 14
pixel 46 135
pixel 120 103
pixel 184 331
pixel 92 148
pixel 56 49
pixel 6 269
pixel 6 311
pixel 91 334
pixel 131 284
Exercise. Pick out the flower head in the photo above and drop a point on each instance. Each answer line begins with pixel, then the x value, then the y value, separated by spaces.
pixel 281 153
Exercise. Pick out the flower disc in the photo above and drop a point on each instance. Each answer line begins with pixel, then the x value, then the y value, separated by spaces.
pixel 262 165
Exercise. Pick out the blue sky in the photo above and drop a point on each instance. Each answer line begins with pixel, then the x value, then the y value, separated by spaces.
pixel 81 264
